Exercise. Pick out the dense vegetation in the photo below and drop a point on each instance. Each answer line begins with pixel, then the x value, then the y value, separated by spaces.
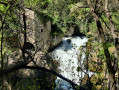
pixel 97 19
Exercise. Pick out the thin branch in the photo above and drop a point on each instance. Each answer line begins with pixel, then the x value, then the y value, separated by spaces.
pixel 8 15
pixel 95 5
pixel 2 38
pixel 24 66
pixel 105 23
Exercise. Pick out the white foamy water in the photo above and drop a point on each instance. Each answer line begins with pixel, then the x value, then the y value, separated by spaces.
pixel 67 54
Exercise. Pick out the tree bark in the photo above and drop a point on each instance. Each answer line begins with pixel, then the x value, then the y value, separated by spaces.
pixel 110 68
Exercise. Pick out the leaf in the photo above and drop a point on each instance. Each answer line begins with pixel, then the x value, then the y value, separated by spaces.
pixel 2 7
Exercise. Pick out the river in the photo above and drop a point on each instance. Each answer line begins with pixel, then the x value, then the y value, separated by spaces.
pixel 67 54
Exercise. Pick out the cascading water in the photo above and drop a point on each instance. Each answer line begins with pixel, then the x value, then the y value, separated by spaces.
pixel 67 55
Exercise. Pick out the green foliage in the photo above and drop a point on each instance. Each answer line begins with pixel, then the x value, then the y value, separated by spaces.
pixel 93 26
pixel 107 45
pixel 2 7
pixel 59 10
pixel 63 14
pixel 43 17
pixel 101 52
pixel 105 18
pixel 115 18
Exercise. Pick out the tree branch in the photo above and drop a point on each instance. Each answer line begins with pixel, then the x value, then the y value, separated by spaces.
pixel 24 32
pixel 2 61
pixel 110 68
pixel 24 66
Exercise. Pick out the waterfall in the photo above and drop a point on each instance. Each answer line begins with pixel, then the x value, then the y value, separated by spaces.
pixel 67 54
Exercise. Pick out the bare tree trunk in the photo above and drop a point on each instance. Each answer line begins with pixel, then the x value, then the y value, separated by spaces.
pixel 110 68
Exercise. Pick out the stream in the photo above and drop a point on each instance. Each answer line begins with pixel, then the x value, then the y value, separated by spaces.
pixel 67 54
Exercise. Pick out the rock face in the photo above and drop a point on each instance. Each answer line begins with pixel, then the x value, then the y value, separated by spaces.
pixel 30 26
pixel 38 37
pixel 42 34
pixel 25 77
pixel 30 33
pixel 38 33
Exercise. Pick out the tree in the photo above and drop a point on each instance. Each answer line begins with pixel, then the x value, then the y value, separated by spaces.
pixel 97 15
pixel 103 12
pixel 103 41
pixel 13 24
pixel 89 16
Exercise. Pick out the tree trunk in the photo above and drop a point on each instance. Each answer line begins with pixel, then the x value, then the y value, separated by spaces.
pixel 115 37
pixel 110 68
